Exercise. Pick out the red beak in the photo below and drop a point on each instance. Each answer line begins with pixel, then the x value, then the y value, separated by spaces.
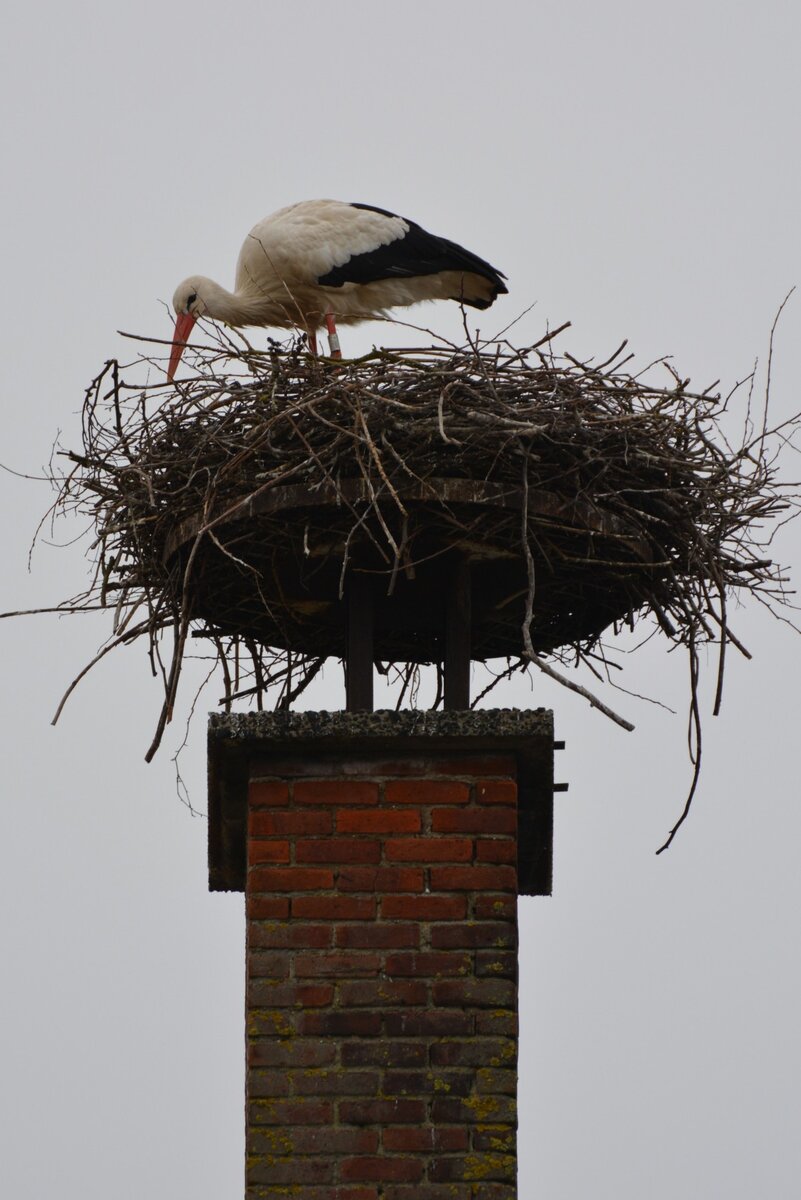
pixel 183 328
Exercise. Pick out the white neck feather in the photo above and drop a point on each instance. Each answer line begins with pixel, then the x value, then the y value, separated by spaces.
pixel 230 307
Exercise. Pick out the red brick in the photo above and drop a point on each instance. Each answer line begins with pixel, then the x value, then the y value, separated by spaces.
pixel 428 964
pixel 474 820
pixel 495 1137
pixel 428 849
pixel 382 1112
pixel 381 820
pixel 384 1053
pixel 491 1166
pixel 264 793
pixel 477 1052
pixel 267 824
pixel 474 993
pixel 482 1191
pixel 335 908
pixel 500 791
pixel 382 1168
pixel 312 1140
pixel 260 851
pixel 267 1083
pixel 491 1110
pixel 496 850
pixel 257 995
pixel 496 1081
pixel 495 908
pixel 291 1112
pixel 334 1083
pixel 380 879
pixel 266 908
pixel 378 935
pixel 375 1029
pixel 289 879
pixel 497 1024
pixel 426 791
pixel 376 993
pixel 431 1191
pixel 300 995
pixel 474 934
pixel 271 1052
pixel 426 1083
pixel 473 879
pixel 340 1024
pixel 499 964
pixel 335 791
pixel 424 908
pixel 441 1023
pixel 427 1141
pixel 287 935
pixel 338 850
pixel 338 965
pixel 292 1170
pixel 274 965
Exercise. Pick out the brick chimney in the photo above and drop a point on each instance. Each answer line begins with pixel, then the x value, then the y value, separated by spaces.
pixel 381 855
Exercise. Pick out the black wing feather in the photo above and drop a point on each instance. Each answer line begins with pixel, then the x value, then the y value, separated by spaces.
pixel 415 253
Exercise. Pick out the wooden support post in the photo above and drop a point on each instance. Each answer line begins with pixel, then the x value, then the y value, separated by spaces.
pixel 457 636
pixel 359 644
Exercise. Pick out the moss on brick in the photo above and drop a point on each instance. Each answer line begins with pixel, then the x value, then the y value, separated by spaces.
pixel 490 1166
pixel 277 1142
pixel 272 1016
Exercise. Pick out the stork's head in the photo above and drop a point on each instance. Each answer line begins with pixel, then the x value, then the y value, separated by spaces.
pixel 189 303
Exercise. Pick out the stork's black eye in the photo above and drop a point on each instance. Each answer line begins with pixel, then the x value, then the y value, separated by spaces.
pixel 191 300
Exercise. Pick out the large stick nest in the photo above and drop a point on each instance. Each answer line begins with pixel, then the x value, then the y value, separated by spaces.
pixel 236 506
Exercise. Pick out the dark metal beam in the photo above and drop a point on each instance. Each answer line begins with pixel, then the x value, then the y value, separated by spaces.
pixel 359 644
pixel 457 636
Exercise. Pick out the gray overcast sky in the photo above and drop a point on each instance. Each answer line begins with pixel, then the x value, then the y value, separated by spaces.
pixel 633 167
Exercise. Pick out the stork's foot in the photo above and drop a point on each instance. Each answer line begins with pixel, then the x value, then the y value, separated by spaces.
pixel 333 336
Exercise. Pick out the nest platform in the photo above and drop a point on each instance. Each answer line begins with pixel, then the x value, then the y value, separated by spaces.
pixel 281 566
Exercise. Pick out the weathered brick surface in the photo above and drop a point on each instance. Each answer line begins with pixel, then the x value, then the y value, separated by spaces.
pixel 281 879
pixel 260 851
pixel 337 850
pixel 384 820
pixel 335 791
pixel 427 849
pixel 424 908
pixel 382 1003
pixel 422 792
pixel 335 908
pixel 382 992
pixel 473 820
pixel 386 1053
pixel 385 934
pixel 495 908
pixel 270 824
pixel 377 880
pixel 264 908
pixel 500 791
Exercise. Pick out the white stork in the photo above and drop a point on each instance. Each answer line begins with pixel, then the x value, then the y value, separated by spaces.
pixel 323 261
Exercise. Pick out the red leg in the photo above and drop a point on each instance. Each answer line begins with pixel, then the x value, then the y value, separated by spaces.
pixel 333 336
pixel 312 336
